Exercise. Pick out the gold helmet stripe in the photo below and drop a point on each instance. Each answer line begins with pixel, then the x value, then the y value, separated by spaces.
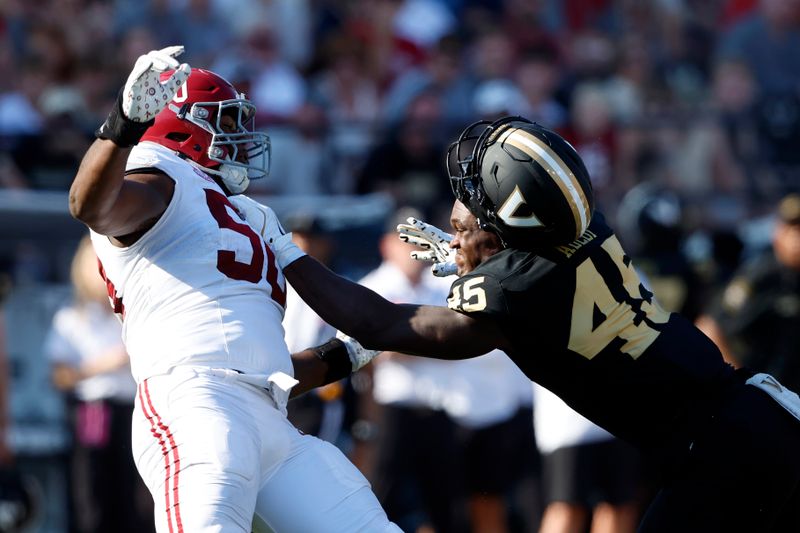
pixel 558 170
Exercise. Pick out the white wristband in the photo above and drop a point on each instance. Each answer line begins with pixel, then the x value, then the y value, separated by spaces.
pixel 359 356
pixel 286 251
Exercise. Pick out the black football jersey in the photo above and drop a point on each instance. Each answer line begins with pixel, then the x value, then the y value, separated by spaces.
pixel 581 323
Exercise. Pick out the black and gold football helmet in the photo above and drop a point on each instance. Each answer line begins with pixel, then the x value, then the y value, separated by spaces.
pixel 522 181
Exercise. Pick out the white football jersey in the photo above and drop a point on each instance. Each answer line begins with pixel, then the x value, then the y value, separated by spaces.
pixel 198 288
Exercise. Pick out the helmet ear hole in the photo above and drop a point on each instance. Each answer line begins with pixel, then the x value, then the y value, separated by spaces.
pixel 177 136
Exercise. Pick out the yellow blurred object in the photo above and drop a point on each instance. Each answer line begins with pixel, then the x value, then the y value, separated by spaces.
pixel 330 392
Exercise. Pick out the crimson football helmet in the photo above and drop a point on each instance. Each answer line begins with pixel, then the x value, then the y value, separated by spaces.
pixel 522 181
pixel 191 124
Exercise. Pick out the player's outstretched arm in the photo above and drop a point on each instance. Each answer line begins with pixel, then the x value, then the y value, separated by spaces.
pixel 430 331
pixel 100 196
pixel 356 310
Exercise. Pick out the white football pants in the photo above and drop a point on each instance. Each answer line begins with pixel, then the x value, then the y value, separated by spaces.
pixel 218 456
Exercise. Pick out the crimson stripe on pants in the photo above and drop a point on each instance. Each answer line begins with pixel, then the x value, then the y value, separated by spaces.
pixel 159 431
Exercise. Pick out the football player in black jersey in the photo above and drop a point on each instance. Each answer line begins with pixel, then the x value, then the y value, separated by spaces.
pixel 542 277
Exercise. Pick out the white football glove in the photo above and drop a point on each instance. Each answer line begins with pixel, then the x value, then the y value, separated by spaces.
pixel 434 241
pixel 264 220
pixel 359 356
pixel 145 95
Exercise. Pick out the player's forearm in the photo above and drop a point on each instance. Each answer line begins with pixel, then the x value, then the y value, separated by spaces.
pixel 309 370
pixel 342 303
pixel 436 332
pixel 382 325
pixel 98 182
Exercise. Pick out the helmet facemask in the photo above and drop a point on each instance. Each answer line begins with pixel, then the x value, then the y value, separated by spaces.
pixel 242 154
pixel 464 161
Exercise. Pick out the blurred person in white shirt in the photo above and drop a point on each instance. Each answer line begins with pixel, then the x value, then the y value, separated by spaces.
pixel 320 412
pixel 90 365
pixel 590 478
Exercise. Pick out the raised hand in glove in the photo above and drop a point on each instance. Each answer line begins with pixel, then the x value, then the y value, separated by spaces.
pixel 144 96
pixel 436 245
pixel 264 220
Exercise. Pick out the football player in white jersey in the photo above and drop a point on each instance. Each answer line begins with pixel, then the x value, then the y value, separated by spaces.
pixel 201 300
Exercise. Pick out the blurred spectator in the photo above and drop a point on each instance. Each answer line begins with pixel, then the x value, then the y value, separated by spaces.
pixel 538 76
pixel 683 52
pixel 159 16
pixel 273 84
pixel 407 164
pixel 320 412
pixel 6 455
pixel 651 223
pixel 767 42
pixel 734 97
pixel 492 55
pixel 590 57
pixel 20 492
pixel 202 31
pixel 498 97
pixel 10 176
pixel 348 93
pixel 443 71
pixel 718 148
pixel 416 474
pixel 293 21
pixel 134 42
pixel 533 24
pixel 630 87
pixel 581 14
pixel 733 10
pixel 49 159
pixel 590 479
pixel 242 16
pixel 20 92
pixel 89 32
pixel 496 438
pixel 720 266
pixel 591 131
pixel 90 365
pixel 756 322
pixel 304 161
pixel 95 81
pixel 423 22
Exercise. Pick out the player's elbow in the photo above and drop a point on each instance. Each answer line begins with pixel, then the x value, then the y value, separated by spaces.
pixel 78 207
pixel 82 209
pixel 91 213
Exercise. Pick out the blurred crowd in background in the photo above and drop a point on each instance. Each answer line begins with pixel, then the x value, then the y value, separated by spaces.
pixel 686 113
pixel 700 96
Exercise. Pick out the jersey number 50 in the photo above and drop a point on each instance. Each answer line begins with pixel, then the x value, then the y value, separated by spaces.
pixel 218 204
